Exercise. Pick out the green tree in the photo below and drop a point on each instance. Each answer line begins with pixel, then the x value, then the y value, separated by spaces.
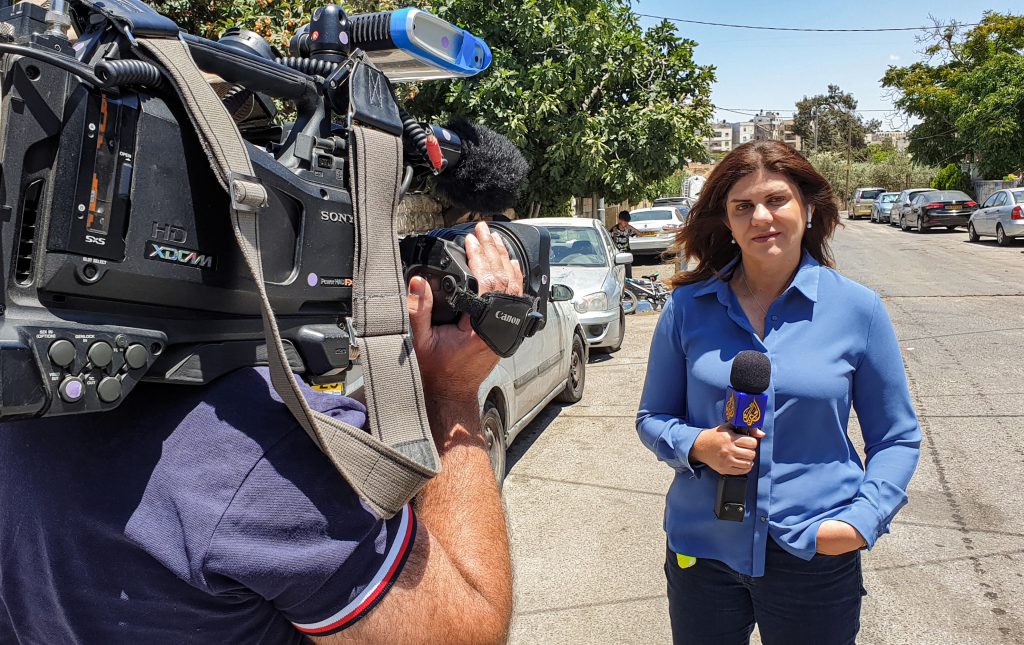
pixel 670 186
pixel 834 115
pixel 968 94
pixel 597 104
pixel 952 178
pixel 894 172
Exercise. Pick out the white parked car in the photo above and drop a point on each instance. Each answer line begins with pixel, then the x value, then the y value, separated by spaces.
pixel 584 258
pixel 657 229
pixel 551 365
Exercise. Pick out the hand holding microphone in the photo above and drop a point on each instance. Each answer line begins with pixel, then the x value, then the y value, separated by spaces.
pixel 725 451
pixel 731 448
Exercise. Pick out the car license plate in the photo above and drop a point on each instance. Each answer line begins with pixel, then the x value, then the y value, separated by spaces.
pixel 648 233
pixel 953 207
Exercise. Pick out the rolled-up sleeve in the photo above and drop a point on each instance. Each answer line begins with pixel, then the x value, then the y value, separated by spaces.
pixel 661 420
pixel 892 435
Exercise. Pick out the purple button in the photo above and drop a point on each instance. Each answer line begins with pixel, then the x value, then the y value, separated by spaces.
pixel 72 390
pixel 312 279
pixel 445 42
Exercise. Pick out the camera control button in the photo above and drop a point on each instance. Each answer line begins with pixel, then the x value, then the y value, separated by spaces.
pixel 136 356
pixel 109 389
pixel 62 353
pixel 101 353
pixel 72 389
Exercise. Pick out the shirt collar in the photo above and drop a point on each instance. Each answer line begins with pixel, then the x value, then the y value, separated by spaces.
pixel 805 281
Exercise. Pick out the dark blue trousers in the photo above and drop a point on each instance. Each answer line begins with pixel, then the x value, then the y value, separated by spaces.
pixel 796 602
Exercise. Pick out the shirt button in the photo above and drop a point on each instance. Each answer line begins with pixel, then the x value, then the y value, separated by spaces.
pixel 775 317
pixel 764 518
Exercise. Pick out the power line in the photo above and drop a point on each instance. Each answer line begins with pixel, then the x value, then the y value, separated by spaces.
pixel 804 29
pixel 755 110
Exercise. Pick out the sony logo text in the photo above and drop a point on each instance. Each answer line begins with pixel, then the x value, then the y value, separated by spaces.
pixel 334 216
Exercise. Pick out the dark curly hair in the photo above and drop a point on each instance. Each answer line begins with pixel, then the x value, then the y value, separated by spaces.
pixel 706 237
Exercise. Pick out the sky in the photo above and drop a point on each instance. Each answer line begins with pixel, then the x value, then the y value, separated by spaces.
pixel 773 70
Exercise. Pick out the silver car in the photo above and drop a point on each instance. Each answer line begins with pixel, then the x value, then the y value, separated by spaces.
pixel 880 209
pixel 902 207
pixel 549 366
pixel 1001 216
pixel 584 258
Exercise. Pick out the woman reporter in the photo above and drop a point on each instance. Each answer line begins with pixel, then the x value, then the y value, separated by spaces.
pixel 765 281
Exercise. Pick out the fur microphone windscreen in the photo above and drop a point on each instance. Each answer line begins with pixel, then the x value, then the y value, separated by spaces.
pixel 489 174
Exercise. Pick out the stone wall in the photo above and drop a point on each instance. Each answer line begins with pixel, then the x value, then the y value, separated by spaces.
pixel 419 214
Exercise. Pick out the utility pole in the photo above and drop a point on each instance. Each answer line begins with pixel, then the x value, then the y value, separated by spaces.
pixel 849 160
pixel 815 130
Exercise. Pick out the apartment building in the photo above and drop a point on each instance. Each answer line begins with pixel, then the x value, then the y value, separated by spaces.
pixel 897 138
pixel 764 126
pixel 721 139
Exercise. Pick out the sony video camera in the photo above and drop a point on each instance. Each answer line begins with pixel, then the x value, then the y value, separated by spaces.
pixel 118 251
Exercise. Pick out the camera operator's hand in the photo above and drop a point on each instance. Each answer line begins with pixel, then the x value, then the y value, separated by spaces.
pixel 457 584
pixel 724 451
pixel 453 360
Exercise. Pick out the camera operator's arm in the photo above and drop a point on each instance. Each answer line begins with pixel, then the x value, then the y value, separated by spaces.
pixel 457 585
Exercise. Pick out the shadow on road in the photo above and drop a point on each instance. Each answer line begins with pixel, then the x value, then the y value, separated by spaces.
pixel 525 439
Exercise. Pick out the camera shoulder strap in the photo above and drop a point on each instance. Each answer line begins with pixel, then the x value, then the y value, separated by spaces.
pixel 389 465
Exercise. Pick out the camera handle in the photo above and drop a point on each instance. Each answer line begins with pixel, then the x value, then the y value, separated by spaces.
pixel 388 466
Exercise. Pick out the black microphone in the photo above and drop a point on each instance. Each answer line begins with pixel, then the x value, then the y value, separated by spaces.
pixel 474 167
pixel 745 404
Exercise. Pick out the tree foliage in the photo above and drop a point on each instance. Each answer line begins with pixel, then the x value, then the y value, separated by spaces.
pixel 968 94
pixel 597 104
pixel 895 171
pixel 838 124
pixel 952 178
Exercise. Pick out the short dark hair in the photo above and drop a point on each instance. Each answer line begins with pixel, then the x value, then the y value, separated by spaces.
pixel 624 216
pixel 706 237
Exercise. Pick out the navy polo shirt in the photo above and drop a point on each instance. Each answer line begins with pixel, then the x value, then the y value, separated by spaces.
pixel 187 515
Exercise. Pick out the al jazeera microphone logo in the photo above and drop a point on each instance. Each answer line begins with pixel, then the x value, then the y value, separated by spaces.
pixel 744 410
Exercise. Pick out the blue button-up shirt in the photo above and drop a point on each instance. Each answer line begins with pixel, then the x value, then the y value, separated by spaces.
pixel 832 346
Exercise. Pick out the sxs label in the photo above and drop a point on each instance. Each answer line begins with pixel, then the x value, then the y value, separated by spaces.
pixel 95 239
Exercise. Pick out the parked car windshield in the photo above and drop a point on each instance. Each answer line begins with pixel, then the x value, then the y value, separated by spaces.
pixel 947 196
pixel 870 194
pixel 654 215
pixel 576 246
pixel 889 197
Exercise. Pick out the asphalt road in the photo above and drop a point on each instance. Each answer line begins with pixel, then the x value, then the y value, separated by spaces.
pixel 585 498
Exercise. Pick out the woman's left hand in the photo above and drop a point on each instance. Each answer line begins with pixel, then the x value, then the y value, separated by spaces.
pixel 836 538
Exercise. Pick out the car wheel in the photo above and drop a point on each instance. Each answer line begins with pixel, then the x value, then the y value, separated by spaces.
pixel 573 391
pixel 903 223
pixel 972 235
pixel 629 301
pixel 1001 238
pixel 494 438
pixel 622 333
pixel 920 225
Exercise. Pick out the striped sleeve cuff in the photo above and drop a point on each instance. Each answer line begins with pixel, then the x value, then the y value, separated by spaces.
pixel 378 587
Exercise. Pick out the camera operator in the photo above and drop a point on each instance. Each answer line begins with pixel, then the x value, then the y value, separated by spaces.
pixel 208 515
